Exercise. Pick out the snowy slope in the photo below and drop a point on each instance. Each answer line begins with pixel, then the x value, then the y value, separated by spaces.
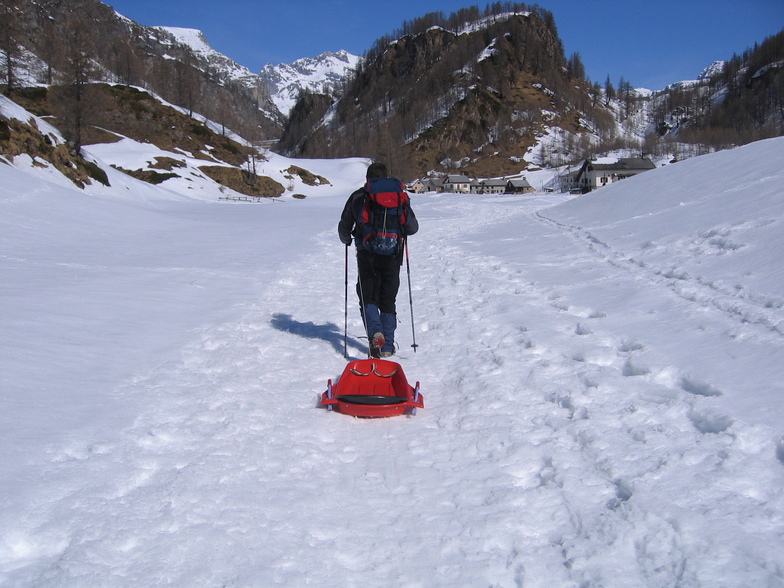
pixel 602 380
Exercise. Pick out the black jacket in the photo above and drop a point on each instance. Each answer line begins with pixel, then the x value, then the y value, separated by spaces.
pixel 347 227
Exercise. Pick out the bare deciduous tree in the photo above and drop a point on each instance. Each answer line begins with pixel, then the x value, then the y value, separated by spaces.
pixel 10 48
pixel 78 71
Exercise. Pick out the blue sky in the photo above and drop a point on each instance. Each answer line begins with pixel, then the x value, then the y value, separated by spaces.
pixel 651 43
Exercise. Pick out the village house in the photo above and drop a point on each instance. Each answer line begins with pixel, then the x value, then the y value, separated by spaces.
pixel 434 184
pixel 457 183
pixel 592 175
pixel 462 184
pixel 519 186
pixel 421 186
pixel 417 187
pixel 497 186
pixel 568 181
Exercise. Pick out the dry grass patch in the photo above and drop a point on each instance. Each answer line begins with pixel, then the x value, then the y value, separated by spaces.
pixel 243 182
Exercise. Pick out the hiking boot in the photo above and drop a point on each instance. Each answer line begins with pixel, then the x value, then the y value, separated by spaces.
pixel 377 342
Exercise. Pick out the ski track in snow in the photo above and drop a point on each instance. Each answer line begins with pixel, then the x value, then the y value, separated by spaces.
pixel 558 461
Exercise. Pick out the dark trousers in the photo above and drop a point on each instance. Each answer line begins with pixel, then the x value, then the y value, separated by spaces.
pixel 379 280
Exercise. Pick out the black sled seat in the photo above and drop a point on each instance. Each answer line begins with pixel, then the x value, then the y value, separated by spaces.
pixel 372 399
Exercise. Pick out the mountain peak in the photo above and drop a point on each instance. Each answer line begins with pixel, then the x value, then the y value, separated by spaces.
pixel 321 74
pixel 713 69
pixel 192 38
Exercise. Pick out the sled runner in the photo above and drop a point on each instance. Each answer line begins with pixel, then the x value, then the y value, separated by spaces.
pixel 372 388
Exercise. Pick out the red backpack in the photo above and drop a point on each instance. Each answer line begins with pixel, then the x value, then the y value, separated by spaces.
pixel 383 217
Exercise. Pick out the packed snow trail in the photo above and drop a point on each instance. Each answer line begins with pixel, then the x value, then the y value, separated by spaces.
pixel 570 437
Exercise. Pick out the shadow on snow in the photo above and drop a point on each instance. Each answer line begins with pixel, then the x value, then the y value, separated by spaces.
pixel 328 332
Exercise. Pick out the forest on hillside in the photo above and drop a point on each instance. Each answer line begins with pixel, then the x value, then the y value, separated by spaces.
pixel 429 93
pixel 426 72
pixel 425 94
pixel 67 44
pixel 751 104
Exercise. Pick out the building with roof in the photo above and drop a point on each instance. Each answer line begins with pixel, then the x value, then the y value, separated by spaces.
pixel 493 186
pixel 519 186
pixel 592 175
pixel 458 184
pixel 417 187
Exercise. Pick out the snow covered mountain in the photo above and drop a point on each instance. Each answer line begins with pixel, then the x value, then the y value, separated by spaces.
pixel 175 63
pixel 322 74
pixel 225 67
pixel 218 64
pixel 705 75
pixel 467 104
pixel 283 82
pixel 602 376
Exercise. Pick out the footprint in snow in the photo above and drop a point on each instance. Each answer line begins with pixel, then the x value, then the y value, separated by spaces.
pixel 707 422
pixel 581 329
pixel 632 369
pixel 698 388
pixel 629 346
pixel 622 494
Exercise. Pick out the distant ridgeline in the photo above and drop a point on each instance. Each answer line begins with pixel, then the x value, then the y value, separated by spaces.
pixel 486 92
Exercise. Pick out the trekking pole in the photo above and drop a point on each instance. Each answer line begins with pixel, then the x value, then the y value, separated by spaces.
pixel 410 299
pixel 345 312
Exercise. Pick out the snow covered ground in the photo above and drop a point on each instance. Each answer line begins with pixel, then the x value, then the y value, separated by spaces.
pixel 603 381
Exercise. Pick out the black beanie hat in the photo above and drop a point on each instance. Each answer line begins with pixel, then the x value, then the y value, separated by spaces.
pixel 376 170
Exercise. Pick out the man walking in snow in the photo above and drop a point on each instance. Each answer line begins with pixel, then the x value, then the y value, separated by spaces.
pixel 378 268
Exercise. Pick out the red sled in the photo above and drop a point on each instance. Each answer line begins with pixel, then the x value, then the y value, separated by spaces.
pixel 372 388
